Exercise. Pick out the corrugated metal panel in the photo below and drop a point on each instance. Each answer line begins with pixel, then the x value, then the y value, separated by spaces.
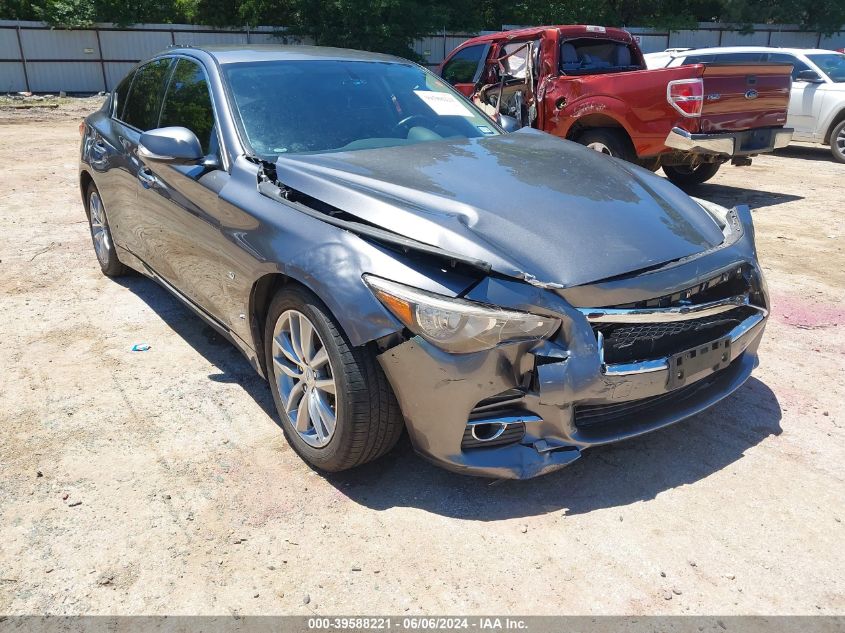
pixel 54 44
pixel 693 39
pixel 9 44
pixel 133 45
pixel 12 78
pixel 434 48
pixel 794 39
pixel 197 39
pixel 735 38
pixel 832 42
pixel 652 43
pixel 67 76
pixel 115 71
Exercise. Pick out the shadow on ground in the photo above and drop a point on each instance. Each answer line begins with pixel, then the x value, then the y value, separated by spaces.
pixel 604 477
pixel 232 366
pixel 807 152
pixel 729 196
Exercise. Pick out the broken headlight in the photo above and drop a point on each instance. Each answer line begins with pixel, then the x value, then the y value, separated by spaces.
pixel 456 325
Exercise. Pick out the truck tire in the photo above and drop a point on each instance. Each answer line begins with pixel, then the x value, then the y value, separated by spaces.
pixel 687 175
pixel 837 142
pixel 608 141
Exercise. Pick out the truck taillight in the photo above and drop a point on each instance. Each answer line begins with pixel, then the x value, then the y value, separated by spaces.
pixel 686 96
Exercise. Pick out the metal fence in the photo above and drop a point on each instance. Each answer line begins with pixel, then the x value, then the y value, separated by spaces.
pixel 36 58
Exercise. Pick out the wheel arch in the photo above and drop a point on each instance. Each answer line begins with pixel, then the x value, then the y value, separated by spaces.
pixel 85 180
pixel 594 121
pixel 837 119
pixel 359 314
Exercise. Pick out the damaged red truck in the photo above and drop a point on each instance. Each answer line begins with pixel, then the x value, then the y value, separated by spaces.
pixel 590 84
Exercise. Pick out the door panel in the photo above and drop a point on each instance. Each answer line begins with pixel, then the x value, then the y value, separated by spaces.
pixel 191 252
pixel 464 68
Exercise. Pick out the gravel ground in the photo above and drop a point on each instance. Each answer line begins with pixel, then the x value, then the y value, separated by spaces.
pixel 159 482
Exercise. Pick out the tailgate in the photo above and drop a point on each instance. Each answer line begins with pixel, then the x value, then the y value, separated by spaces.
pixel 744 96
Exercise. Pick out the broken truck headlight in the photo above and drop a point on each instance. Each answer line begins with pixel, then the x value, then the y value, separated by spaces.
pixel 458 326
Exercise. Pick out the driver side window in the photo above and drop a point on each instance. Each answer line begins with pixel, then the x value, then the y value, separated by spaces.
pixel 187 103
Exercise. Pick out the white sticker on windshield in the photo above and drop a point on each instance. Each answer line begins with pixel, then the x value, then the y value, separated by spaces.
pixel 443 103
pixel 485 130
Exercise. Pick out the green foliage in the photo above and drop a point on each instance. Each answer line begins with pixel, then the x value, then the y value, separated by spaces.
pixel 391 25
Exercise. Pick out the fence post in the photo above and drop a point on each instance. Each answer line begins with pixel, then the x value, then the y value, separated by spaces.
pixel 23 58
pixel 102 63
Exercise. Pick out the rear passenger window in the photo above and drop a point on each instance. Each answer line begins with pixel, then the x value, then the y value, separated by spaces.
pixel 188 102
pixel 119 97
pixel 144 100
pixel 783 58
pixel 590 56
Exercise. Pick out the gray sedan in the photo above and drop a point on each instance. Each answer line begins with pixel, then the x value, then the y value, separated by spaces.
pixel 389 258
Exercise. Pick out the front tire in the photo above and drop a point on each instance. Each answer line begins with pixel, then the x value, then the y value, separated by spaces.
pixel 837 142
pixel 101 237
pixel 687 175
pixel 336 406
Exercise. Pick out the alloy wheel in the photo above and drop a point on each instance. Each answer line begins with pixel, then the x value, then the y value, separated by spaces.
pixel 600 147
pixel 99 228
pixel 305 379
pixel 840 141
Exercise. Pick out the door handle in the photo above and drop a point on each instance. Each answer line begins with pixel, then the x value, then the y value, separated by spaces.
pixel 148 180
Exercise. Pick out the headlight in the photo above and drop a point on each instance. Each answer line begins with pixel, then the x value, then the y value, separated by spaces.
pixel 456 325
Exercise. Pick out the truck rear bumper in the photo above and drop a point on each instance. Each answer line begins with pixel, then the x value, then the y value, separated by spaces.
pixel 758 141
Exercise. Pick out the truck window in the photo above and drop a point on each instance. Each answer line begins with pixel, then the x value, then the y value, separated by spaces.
pixel 590 56
pixel 784 58
pixel 462 68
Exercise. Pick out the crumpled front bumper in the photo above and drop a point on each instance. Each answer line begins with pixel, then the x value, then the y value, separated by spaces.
pixel 741 143
pixel 437 392
pixel 567 397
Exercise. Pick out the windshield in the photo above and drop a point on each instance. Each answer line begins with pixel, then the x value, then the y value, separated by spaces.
pixel 831 64
pixel 294 107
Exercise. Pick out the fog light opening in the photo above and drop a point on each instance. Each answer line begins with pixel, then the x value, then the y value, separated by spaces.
pixel 488 432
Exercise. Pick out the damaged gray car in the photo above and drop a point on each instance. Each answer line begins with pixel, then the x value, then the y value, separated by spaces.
pixel 388 258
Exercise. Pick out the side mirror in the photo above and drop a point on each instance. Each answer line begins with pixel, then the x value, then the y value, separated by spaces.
pixel 810 76
pixel 509 124
pixel 171 145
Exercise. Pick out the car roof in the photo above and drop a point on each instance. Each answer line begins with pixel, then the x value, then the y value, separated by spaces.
pixel 742 49
pixel 233 54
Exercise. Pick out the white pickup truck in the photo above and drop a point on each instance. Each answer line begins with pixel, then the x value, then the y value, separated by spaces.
pixel 817 101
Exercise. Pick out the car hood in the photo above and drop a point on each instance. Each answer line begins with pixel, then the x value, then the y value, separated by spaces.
pixel 530 204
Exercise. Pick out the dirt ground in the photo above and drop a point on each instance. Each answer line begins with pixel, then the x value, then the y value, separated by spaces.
pixel 159 482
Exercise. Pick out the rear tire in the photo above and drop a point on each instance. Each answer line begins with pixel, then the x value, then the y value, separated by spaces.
pixel 687 175
pixel 609 141
pixel 837 142
pixel 336 407
pixel 101 237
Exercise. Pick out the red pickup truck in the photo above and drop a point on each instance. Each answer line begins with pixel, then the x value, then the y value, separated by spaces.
pixel 590 84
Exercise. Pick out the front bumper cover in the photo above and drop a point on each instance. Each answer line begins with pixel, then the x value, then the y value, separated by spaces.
pixel 438 391
pixel 741 143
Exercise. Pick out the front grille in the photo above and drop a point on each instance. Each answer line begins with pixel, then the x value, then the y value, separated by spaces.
pixel 631 342
pixel 513 433
pixel 594 415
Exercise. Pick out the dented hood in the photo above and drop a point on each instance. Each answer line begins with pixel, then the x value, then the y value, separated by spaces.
pixel 527 203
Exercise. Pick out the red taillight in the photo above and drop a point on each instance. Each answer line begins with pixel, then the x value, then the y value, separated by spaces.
pixel 82 128
pixel 686 96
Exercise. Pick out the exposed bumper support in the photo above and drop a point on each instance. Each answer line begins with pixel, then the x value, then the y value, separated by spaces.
pixel 729 143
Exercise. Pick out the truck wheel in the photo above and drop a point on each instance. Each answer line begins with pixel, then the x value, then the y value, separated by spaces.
pixel 608 141
pixel 686 175
pixel 837 142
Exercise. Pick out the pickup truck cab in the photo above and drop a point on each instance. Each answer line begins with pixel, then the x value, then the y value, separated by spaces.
pixel 817 101
pixel 590 84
